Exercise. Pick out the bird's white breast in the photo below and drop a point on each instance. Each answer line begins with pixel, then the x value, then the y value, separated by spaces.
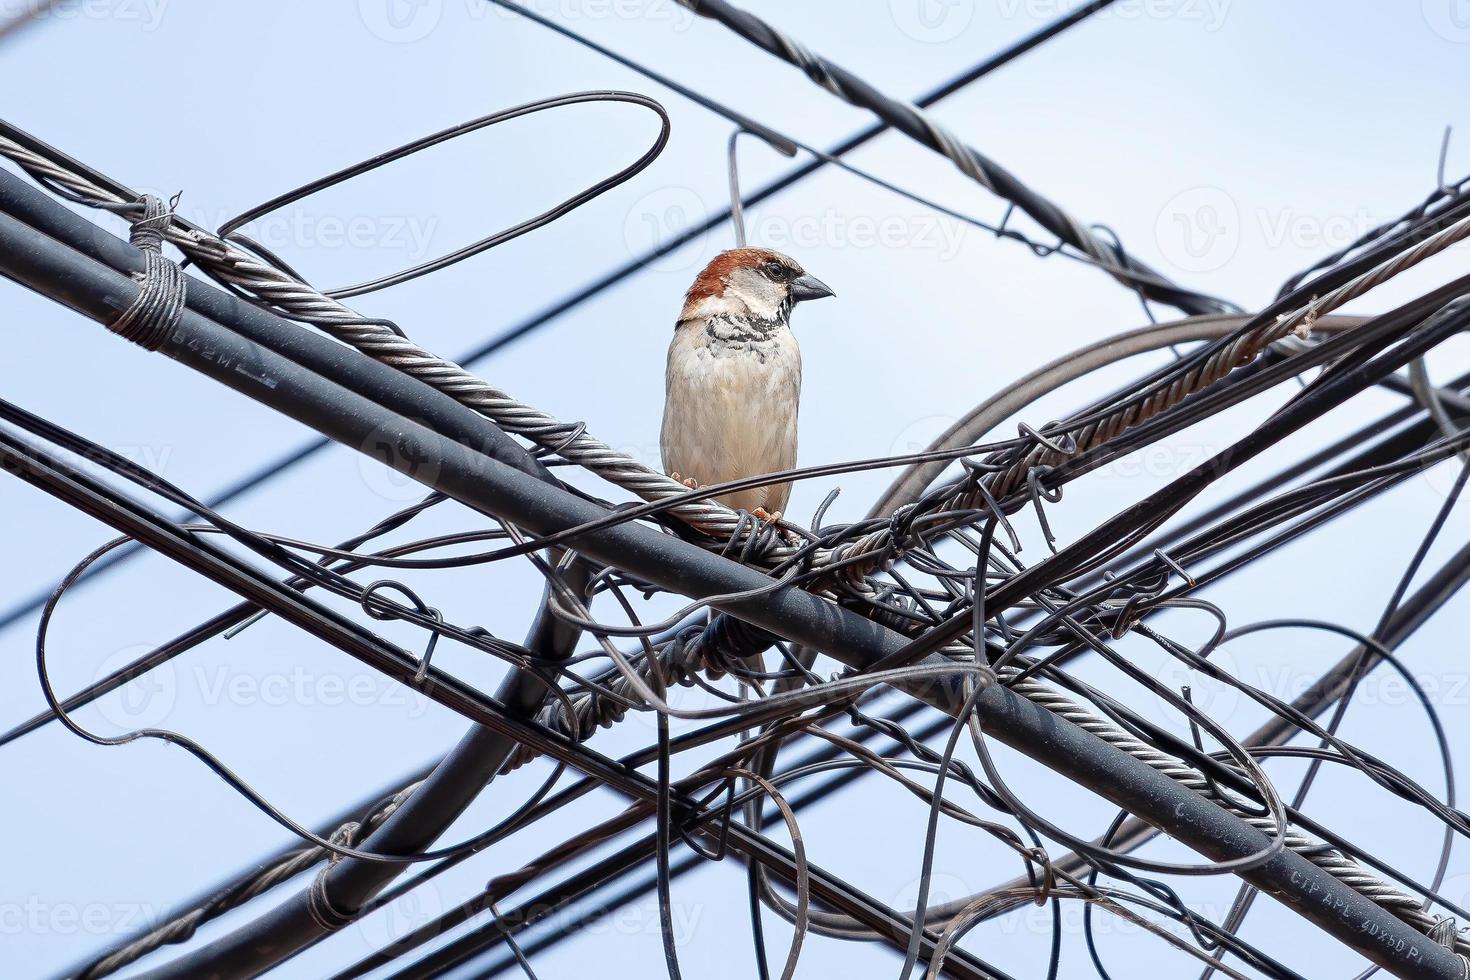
pixel 730 410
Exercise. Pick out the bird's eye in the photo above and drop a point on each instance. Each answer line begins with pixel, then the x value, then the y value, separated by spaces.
pixel 775 271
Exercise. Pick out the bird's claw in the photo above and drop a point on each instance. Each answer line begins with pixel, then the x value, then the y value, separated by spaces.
pixel 687 481
pixel 761 514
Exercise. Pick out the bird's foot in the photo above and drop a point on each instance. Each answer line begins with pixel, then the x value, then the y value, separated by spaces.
pixel 761 514
pixel 688 481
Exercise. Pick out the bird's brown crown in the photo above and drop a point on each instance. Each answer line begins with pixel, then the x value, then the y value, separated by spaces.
pixel 716 276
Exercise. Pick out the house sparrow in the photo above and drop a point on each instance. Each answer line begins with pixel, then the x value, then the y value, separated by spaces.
pixel 734 377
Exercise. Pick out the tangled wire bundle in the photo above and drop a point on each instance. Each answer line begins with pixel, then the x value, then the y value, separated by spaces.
pixel 927 596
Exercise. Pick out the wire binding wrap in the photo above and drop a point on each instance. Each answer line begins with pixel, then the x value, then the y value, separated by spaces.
pixel 686 655
pixel 1237 353
pixel 182 929
pixel 1447 935
pixel 160 300
pixel 319 904
pixel 282 291
pixel 708 650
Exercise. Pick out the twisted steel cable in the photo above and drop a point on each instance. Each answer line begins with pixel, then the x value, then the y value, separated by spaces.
pixel 182 928
pixel 688 654
pixel 293 297
pixel 377 340
pixel 1238 352
pixel 297 299
pixel 1329 859
pixel 919 125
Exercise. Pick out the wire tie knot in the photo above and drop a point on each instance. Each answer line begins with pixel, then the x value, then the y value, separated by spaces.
pixel 150 318
pixel 320 907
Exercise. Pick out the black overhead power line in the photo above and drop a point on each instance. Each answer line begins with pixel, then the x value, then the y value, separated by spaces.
pixel 267 472
pixel 875 596
pixel 486 484
pixel 907 119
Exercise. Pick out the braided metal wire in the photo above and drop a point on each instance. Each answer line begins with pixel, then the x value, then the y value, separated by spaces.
pixel 182 929
pixel 1329 859
pixel 973 164
pixel 695 651
pixel 295 298
pixel 1237 353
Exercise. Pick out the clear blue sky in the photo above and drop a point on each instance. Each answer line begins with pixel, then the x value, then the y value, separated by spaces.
pixel 1228 142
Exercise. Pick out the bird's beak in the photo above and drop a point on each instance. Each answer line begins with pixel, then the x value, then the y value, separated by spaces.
pixel 809 287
